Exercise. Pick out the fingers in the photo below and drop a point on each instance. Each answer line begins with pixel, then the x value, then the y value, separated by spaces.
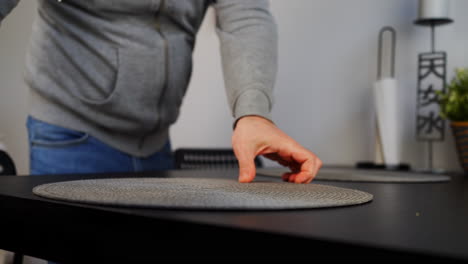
pixel 277 158
pixel 304 168
pixel 246 170
pixel 246 166
pixel 309 168
pixel 257 136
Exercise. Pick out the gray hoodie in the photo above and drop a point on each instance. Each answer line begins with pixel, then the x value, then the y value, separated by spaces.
pixel 119 69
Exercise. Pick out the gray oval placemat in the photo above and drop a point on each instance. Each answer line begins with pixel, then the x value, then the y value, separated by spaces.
pixel 356 175
pixel 200 193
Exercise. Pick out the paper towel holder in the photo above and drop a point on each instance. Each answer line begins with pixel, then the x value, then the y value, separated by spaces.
pixel 378 162
pixel 379 155
pixel 379 55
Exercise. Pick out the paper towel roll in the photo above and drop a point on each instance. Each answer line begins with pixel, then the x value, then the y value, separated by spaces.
pixel 386 104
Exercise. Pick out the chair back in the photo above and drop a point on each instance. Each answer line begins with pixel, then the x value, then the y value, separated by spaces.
pixel 7 166
pixel 208 158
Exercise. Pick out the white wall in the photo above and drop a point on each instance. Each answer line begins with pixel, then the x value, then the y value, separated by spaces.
pixel 328 63
pixel 328 59
pixel 14 38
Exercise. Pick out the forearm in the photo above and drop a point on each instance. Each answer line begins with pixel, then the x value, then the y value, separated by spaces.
pixel 5 7
pixel 248 38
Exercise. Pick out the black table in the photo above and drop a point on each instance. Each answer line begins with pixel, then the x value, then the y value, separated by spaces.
pixel 404 221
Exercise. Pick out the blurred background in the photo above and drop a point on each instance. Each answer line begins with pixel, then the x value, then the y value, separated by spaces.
pixel 323 93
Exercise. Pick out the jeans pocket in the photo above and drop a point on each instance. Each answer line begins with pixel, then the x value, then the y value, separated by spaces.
pixel 47 135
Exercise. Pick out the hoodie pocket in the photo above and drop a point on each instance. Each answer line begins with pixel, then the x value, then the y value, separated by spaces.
pixel 132 105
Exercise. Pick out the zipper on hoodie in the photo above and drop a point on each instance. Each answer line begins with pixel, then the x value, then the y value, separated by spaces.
pixel 162 8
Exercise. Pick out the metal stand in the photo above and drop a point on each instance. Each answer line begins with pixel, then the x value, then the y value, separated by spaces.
pixel 432 74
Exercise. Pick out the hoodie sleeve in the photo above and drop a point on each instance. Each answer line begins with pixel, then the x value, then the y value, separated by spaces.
pixel 248 39
pixel 5 7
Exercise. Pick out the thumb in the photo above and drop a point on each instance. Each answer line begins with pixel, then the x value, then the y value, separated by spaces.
pixel 246 167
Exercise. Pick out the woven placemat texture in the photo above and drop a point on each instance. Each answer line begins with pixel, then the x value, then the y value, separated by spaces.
pixel 201 193
pixel 354 175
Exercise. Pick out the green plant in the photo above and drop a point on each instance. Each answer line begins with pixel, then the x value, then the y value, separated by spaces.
pixel 454 101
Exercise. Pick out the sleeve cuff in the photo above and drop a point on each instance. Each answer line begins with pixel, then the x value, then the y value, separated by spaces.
pixel 252 102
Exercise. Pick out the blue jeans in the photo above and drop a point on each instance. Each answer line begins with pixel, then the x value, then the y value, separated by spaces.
pixel 58 150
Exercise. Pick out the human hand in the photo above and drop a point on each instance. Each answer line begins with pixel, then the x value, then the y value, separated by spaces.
pixel 255 135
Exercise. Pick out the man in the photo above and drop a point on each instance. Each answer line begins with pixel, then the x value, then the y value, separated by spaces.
pixel 107 79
